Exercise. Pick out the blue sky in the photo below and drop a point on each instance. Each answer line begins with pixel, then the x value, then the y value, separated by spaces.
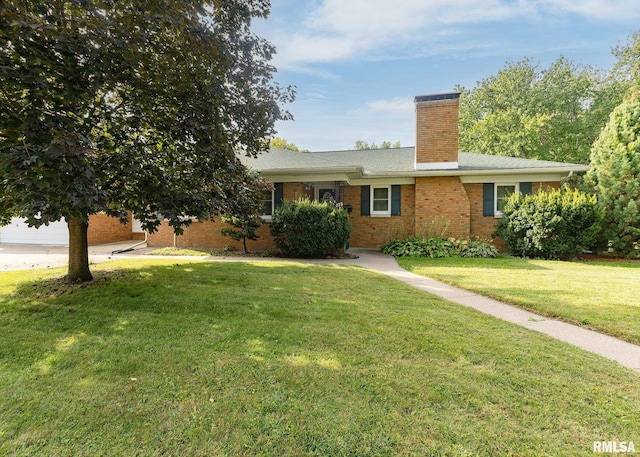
pixel 357 64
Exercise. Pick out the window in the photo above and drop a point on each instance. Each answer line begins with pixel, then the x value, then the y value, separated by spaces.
pixel 267 205
pixel 381 201
pixel 494 194
pixel 272 200
pixel 502 192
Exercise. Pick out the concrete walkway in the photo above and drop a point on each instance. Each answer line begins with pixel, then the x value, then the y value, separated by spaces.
pixel 624 353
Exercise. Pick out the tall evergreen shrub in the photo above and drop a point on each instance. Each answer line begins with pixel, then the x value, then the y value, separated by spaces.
pixel 615 176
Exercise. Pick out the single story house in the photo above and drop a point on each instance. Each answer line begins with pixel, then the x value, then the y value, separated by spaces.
pixel 431 188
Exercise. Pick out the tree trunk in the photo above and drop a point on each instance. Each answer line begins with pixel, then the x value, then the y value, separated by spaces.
pixel 78 252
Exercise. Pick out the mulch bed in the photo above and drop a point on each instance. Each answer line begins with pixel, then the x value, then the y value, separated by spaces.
pixel 603 257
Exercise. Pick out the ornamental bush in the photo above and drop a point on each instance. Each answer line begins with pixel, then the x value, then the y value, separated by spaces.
pixel 438 247
pixel 309 229
pixel 556 224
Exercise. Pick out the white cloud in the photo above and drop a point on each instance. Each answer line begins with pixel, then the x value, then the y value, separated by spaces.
pixel 402 106
pixel 338 30
pixel 597 9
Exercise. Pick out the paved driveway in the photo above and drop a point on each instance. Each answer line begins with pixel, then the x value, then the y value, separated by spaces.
pixel 28 256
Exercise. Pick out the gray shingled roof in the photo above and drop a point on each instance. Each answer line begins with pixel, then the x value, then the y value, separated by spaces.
pixel 396 161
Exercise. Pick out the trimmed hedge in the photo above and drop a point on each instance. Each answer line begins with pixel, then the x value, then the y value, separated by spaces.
pixel 557 224
pixel 436 247
pixel 308 229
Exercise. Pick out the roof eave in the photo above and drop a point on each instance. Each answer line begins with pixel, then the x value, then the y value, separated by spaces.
pixel 477 172
pixel 309 171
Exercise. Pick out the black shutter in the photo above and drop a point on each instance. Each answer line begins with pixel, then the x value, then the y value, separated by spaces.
pixel 526 188
pixel 488 190
pixel 396 199
pixel 365 200
pixel 278 194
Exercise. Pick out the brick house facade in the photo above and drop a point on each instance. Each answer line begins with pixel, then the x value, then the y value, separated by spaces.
pixel 427 190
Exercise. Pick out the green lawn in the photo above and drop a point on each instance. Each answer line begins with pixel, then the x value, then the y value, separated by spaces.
pixel 162 357
pixel 603 295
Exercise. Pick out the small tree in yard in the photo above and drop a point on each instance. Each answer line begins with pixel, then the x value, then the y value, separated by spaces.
pixel 615 176
pixel 310 229
pixel 130 107
pixel 558 224
pixel 244 217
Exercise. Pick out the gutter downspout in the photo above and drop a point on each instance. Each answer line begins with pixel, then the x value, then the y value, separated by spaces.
pixel 567 178
pixel 130 248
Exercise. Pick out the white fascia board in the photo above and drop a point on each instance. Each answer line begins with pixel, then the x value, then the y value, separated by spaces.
pixel 382 181
pixel 555 171
pixel 514 178
pixel 307 175
pixel 357 176
pixel 436 165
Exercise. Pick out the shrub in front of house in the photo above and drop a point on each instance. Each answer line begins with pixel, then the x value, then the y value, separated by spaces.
pixel 438 247
pixel 308 229
pixel 557 224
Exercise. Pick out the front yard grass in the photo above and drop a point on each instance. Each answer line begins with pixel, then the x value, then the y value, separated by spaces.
pixel 602 295
pixel 164 357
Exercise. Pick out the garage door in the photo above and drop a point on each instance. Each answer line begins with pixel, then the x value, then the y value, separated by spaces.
pixel 19 232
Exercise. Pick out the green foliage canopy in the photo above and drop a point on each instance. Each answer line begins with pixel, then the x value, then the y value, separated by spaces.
pixel 615 176
pixel 244 216
pixel 361 145
pixel 532 112
pixel 282 143
pixel 628 65
pixel 128 106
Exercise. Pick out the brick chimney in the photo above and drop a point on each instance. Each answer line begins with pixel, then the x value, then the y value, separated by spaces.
pixel 437 131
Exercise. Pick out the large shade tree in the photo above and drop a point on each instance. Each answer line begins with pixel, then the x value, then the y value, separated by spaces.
pixel 525 110
pixel 627 66
pixel 125 106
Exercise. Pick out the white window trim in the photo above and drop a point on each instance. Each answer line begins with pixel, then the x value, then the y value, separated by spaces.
pixel 496 212
pixel 268 217
pixel 386 213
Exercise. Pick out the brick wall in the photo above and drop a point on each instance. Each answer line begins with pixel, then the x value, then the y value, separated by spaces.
pixel 537 186
pixel 373 232
pixel 481 226
pixel 427 208
pixel 437 131
pixel 206 235
pixel 106 229
pixel 295 190
pixel 442 205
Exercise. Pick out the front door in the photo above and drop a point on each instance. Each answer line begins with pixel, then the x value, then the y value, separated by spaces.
pixel 327 195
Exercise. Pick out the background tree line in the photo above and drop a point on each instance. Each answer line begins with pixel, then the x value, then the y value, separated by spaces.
pixel 553 113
